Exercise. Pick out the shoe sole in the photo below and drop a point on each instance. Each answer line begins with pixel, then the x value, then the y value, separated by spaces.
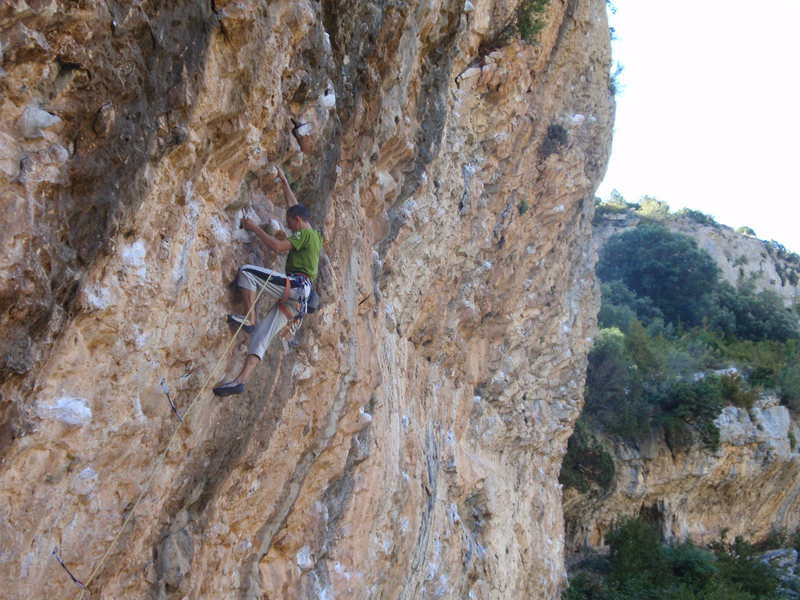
pixel 231 391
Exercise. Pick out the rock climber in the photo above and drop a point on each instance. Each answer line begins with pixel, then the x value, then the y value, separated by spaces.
pixel 291 290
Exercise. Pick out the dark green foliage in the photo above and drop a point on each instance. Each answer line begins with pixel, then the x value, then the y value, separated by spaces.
pixel 525 23
pixel 529 19
pixel 688 409
pixel 555 141
pixel 779 251
pixel 787 263
pixel 641 566
pixel 667 318
pixel 751 316
pixel 789 381
pixel 736 392
pixel 648 352
pixel 763 362
pixel 739 566
pixel 657 274
pixel 586 463
pixel 636 553
pixel 665 267
pixel 639 381
pixel 694 567
pixel 620 305
pixel 614 389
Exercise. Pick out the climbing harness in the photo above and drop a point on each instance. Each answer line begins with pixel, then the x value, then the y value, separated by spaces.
pixel 162 457
pixel 302 304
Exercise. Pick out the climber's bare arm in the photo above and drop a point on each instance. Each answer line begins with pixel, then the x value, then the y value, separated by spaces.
pixel 273 243
pixel 288 195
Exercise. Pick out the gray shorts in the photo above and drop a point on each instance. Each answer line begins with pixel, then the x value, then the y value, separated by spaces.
pixel 287 306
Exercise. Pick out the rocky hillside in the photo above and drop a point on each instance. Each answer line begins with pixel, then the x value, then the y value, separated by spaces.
pixel 742 259
pixel 750 485
pixel 406 442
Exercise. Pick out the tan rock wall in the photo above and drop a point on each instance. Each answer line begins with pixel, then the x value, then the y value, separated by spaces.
pixel 750 487
pixel 407 442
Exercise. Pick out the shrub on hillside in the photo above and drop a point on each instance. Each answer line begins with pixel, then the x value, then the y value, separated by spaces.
pixel 586 463
pixel 653 209
pixel 789 383
pixel 699 217
pixel 620 305
pixel 525 22
pixel 688 410
pixel 744 230
pixel 636 553
pixel 666 318
pixel 640 566
pixel 667 268
pixel 614 390
pixel 658 274
pixel 736 392
pixel 741 570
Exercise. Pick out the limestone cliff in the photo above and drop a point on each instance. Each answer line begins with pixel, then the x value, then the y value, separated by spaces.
pixel 407 442
pixel 751 485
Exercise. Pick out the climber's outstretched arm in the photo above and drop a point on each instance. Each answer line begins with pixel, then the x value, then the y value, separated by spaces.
pixel 288 195
pixel 269 241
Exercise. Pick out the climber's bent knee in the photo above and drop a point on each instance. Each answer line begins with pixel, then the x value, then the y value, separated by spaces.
pixel 251 277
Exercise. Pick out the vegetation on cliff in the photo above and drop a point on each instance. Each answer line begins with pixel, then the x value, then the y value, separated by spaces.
pixel 677 343
pixel 640 566
pixel 525 22
pixel 652 210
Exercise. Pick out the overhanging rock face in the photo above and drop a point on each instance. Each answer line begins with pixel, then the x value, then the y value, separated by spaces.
pixel 407 442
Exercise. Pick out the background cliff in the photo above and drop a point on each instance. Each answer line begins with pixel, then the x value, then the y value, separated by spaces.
pixel 746 484
pixel 407 443
pixel 741 258
pixel 749 487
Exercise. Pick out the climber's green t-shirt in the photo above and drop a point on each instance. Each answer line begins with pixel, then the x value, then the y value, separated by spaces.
pixel 304 255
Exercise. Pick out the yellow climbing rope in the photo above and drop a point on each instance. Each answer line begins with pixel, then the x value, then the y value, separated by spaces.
pixel 163 455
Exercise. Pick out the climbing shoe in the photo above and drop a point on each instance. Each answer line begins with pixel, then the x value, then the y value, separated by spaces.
pixel 229 389
pixel 236 320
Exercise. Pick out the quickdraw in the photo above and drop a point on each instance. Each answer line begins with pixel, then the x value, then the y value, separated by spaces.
pixel 77 581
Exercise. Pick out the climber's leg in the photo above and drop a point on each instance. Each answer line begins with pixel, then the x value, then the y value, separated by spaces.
pixel 262 335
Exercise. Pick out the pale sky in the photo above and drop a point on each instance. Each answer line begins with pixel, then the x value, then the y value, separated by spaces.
pixel 707 114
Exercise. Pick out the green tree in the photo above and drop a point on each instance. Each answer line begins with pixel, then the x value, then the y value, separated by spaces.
pixel 653 209
pixel 665 267
pixel 586 462
pixel 636 554
pixel 741 570
pixel 614 389
pixel 745 230
pixel 789 380
pixel 620 305
pixel 688 408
